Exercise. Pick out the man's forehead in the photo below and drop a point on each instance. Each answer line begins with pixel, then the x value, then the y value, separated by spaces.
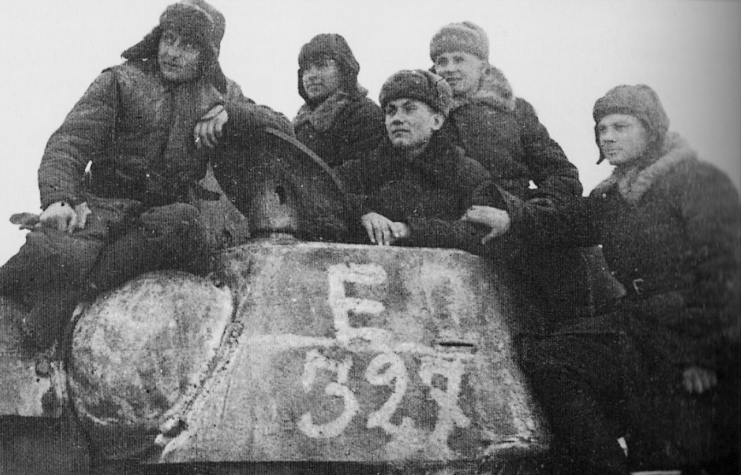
pixel 405 101
pixel 459 54
pixel 614 119
pixel 320 58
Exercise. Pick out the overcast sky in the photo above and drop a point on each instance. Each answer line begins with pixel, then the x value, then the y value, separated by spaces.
pixel 559 55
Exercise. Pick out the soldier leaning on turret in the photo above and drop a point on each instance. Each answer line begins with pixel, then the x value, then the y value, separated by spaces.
pixel 418 188
pixel 415 186
pixel 556 255
pixel 146 128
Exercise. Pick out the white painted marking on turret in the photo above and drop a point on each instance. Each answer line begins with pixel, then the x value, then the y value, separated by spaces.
pixel 387 369
pixel 449 415
pixel 315 362
pixel 341 305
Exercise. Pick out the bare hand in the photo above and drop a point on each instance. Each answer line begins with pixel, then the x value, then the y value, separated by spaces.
pixel 380 229
pixel 399 230
pixel 208 129
pixel 59 215
pixel 698 380
pixel 497 219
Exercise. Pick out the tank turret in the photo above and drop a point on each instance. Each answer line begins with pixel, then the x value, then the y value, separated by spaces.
pixel 302 351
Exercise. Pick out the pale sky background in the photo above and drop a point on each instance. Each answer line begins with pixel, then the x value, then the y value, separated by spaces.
pixel 560 55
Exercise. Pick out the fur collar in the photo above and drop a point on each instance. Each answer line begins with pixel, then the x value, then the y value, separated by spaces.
pixel 323 116
pixel 633 182
pixel 495 91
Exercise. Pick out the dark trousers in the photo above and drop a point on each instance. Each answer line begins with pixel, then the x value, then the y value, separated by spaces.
pixel 578 380
pixel 53 271
pixel 596 386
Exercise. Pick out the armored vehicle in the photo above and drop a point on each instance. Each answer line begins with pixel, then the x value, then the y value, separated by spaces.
pixel 298 353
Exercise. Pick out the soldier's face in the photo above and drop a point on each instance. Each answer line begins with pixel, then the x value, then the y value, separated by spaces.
pixel 321 79
pixel 463 71
pixel 178 58
pixel 622 138
pixel 410 123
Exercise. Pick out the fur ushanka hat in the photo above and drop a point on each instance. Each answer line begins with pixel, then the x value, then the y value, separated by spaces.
pixel 329 46
pixel 639 101
pixel 418 84
pixel 196 20
pixel 467 37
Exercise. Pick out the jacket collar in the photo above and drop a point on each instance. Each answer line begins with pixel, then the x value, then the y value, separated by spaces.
pixel 633 182
pixel 495 91
pixel 323 116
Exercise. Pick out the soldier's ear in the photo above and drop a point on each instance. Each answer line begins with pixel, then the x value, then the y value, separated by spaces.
pixel 437 121
pixel 485 67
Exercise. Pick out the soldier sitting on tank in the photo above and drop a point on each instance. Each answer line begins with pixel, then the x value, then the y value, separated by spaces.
pixel 147 130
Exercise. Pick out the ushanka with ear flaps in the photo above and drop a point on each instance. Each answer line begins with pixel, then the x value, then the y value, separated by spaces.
pixel 195 20
pixel 639 101
pixel 418 84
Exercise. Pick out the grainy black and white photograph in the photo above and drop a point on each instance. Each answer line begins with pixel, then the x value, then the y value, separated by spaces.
pixel 382 237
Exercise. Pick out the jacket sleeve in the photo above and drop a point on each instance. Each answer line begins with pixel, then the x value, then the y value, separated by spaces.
pixel 245 116
pixel 711 212
pixel 85 134
pixel 553 174
pixel 548 210
pixel 364 130
pixel 450 235
pixel 361 178
pixel 475 188
pixel 698 324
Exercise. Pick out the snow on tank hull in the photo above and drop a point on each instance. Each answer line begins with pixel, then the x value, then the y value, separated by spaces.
pixel 331 353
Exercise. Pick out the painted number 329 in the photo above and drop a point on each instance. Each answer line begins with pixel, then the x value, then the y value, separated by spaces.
pixel 387 369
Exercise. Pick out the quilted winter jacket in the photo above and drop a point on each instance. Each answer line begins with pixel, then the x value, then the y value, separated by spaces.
pixel 670 233
pixel 429 193
pixel 124 125
pixel 504 134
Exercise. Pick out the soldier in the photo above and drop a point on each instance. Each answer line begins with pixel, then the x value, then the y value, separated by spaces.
pixel 147 129
pixel 337 122
pixel 503 133
pixel 669 225
pixel 415 187
pixel 661 367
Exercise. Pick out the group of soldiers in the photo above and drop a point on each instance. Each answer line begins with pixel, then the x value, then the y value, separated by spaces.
pixel 640 280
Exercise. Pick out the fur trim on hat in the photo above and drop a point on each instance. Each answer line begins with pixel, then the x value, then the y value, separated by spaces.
pixel 466 37
pixel 193 23
pixel 418 84
pixel 324 115
pixel 495 91
pixel 195 19
pixel 633 182
pixel 639 101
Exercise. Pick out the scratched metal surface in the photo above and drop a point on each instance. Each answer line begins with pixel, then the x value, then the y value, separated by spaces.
pixel 32 385
pixel 360 354
pixel 143 352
